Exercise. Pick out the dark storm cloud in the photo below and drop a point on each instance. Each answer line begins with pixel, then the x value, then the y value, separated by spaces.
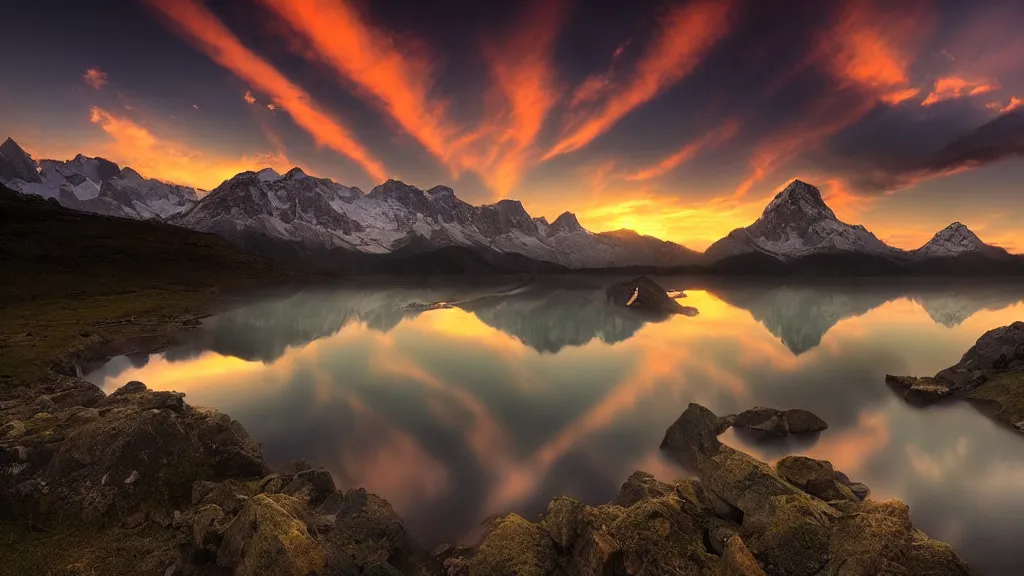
pixel 899 152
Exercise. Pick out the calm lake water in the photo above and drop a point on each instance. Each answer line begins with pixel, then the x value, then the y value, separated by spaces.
pixel 510 394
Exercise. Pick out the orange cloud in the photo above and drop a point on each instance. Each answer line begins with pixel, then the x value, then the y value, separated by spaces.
pixel 134 145
pixel 373 62
pixel 201 27
pixel 716 137
pixel 686 34
pixel 952 87
pixel 95 77
pixel 524 73
pixel 1013 104
pixel 249 98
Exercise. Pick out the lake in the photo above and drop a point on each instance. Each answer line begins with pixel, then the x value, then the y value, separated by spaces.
pixel 459 402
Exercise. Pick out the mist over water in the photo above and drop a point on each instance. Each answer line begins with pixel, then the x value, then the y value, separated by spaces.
pixel 457 403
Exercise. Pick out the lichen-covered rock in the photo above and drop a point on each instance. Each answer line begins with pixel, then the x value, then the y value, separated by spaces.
pixel 204 527
pixel 514 545
pixel 641 486
pixel 790 534
pixel 270 536
pixel 737 559
pixel 366 531
pixel 657 536
pixel 816 477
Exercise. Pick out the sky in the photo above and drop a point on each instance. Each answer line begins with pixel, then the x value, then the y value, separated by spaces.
pixel 676 118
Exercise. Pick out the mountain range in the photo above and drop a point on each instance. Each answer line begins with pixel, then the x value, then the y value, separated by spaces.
pixel 299 218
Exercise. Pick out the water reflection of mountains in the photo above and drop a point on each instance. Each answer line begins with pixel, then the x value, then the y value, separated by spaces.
pixel 549 317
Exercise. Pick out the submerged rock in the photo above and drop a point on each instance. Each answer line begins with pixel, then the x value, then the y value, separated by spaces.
pixel 645 295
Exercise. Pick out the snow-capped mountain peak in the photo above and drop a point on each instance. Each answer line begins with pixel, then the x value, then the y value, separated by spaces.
pixel 93 185
pixel 15 163
pixel 796 223
pixel 295 174
pixel 268 174
pixel 799 200
pixel 954 240
pixel 566 223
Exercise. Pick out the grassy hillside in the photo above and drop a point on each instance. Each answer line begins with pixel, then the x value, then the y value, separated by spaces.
pixel 73 280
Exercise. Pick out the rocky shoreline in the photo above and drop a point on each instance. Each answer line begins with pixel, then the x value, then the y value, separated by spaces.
pixel 88 481
pixel 990 374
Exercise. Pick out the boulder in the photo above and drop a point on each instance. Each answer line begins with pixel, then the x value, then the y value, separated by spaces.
pixel 737 559
pixel 998 349
pixel 693 436
pixel 641 486
pixel 514 546
pixel 270 536
pixel 816 477
pixel 366 531
pixel 769 422
pixel 645 295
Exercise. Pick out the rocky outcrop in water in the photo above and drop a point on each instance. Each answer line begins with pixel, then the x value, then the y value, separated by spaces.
pixel 645 295
pixel 802 517
pixel 991 373
pixel 772 423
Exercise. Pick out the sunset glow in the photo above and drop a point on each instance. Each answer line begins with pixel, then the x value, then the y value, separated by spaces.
pixel 678 120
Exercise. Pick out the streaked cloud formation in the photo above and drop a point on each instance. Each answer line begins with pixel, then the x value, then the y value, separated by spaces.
pixel 684 35
pixel 201 27
pixel 672 117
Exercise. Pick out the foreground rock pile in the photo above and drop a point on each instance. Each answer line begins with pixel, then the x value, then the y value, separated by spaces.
pixel 990 373
pixel 154 486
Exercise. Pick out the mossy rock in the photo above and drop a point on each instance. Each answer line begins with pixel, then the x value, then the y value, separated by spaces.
pixel 514 546
pixel 270 536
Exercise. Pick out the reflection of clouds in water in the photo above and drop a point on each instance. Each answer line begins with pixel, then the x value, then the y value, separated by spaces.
pixel 454 414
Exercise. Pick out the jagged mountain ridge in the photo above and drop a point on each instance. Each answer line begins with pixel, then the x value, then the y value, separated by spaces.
pixel 300 217
pixel 798 224
pixel 320 214
pixel 94 185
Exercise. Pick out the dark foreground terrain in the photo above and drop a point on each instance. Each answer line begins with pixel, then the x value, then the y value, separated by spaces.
pixel 74 281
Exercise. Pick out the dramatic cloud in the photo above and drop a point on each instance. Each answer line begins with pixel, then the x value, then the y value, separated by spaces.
pixel 684 37
pixel 869 47
pixel 132 144
pixel 372 61
pixel 201 27
pixel 712 139
pixel 96 78
pixel 524 76
pixel 952 87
